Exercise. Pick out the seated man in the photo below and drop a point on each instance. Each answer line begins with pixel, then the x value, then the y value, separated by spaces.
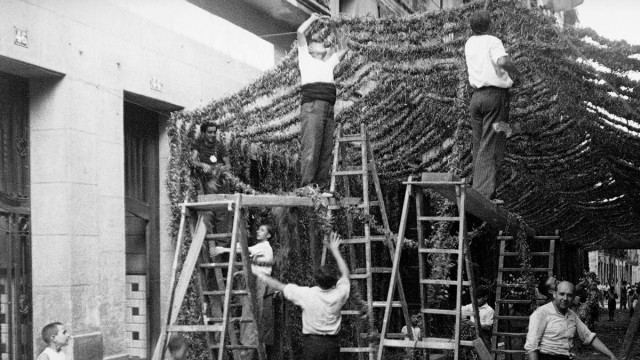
pixel 553 326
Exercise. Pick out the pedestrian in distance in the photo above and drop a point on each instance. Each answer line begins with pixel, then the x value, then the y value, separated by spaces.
pixel 611 302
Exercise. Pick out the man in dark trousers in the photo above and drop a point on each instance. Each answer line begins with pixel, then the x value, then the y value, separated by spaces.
pixel 491 74
pixel 318 97
pixel 320 305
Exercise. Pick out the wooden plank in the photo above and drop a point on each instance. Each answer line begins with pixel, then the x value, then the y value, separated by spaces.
pixel 443 282
pixel 440 311
pixel 481 349
pixel 425 343
pixel 357 349
pixel 195 328
pixel 211 201
pixel 475 203
pixel 438 218
pixel 438 251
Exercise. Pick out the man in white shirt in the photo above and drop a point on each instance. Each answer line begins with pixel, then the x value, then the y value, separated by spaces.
pixel 553 326
pixel 490 75
pixel 320 305
pixel 485 313
pixel 318 97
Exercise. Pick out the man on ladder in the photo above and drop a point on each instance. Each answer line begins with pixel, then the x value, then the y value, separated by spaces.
pixel 320 305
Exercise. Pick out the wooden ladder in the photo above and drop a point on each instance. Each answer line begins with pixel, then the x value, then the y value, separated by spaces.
pixel 505 299
pixel 364 275
pixel 216 303
pixel 445 182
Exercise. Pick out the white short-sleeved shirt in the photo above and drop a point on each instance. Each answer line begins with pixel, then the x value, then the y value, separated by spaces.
pixel 552 332
pixel 315 70
pixel 261 253
pixel 53 355
pixel 416 332
pixel 486 314
pixel 482 53
pixel 320 308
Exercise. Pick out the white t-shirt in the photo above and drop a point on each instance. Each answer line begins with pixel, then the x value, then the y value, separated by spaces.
pixel 320 308
pixel 261 253
pixel 53 355
pixel 482 53
pixel 314 70
pixel 486 314
pixel 416 332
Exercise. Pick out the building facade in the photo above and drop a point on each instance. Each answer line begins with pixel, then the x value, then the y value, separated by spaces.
pixel 86 88
pixel 615 266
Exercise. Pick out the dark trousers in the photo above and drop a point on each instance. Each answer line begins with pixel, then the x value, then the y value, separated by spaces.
pixel 488 105
pixel 219 220
pixel 318 126
pixel 318 347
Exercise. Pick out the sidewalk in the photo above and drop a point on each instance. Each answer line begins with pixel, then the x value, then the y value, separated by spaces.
pixel 612 334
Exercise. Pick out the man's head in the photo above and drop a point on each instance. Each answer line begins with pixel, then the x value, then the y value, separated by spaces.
pixel 177 347
pixel 563 296
pixel 480 22
pixel 326 276
pixel 55 334
pixel 317 50
pixel 209 131
pixel 482 296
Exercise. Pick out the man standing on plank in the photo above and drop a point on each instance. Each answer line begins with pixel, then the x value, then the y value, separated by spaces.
pixel 318 97
pixel 490 74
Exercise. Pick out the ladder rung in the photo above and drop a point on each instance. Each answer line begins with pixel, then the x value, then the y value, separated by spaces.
pixel 438 218
pixel 350 138
pixel 349 172
pixel 522 269
pixel 511 334
pixel 217 236
pixel 234 347
pixel 219 265
pixel 506 351
pixel 351 312
pixel 231 319
pixel 380 304
pixel 359 276
pixel 442 282
pixel 512 301
pixel 440 311
pixel 374 270
pixel 512 285
pixel 504 237
pixel 438 251
pixel 396 336
pixel 510 317
pixel 195 328
pixel 536 253
pixel 357 349
pixel 222 292
pixel 426 343
pixel 360 206
pixel 362 240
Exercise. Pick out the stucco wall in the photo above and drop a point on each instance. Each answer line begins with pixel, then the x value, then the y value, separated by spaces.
pixel 102 49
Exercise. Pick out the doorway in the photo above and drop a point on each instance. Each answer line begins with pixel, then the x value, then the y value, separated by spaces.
pixel 142 233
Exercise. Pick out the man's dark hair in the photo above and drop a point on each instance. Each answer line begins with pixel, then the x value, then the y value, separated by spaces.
pixel 50 330
pixel 482 292
pixel 326 276
pixel 480 22
pixel 176 342
pixel 205 126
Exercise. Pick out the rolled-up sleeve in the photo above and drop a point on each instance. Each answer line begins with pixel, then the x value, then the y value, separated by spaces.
pixel 537 324
pixel 583 332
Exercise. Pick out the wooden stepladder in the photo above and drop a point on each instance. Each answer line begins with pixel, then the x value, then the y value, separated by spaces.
pixel 510 324
pixel 455 188
pixel 216 302
pixel 361 241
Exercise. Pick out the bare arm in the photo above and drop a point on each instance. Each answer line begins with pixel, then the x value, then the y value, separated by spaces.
pixel 341 48
pixel 273 283
pixel 533 355
pixel 227 161
pixel 302 30
pixel 598 345
pixel 508 66
pixel 334 246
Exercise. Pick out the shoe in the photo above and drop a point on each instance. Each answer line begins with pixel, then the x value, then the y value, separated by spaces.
pixel 497 201
pixel 327 194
